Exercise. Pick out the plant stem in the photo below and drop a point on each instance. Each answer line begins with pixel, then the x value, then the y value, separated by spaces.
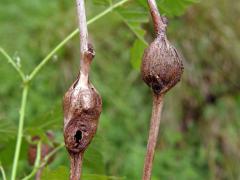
pixel 44 161
pixel 134 31
pixel 14 65
pixel 20 131
pixel 82 26
pixel 77 158
pixel 69 37
pixel 159 25
pixel 47 157
pixel 83 31
pixel 3 173
pixel 36 163
pixel 153 134
pixel 38 174
pixel 107 11
pixel 76 166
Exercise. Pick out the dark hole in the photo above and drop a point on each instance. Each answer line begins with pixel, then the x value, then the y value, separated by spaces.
pixel 156 87
pixel 78 136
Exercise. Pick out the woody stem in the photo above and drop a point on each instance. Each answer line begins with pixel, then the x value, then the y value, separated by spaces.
pixel 153 134
pixel 159 25
pixel 83 31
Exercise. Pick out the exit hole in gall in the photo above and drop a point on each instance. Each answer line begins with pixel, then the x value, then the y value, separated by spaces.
pixel 78 136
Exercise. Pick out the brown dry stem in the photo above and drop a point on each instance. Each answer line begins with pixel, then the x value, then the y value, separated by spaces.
pixel 153 134
pixel 77 158
pixel 82 104
pixel 76 166
pixel 161 70
pixel 83 31
pixel 39 174
pixel 158 21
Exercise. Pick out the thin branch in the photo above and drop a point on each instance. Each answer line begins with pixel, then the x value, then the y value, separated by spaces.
pixel 85 61
pixel 76 166
pixel 83 31
pixel 153 134
pixel 160 28
pixel 46 159
pixel 134 32
pixel 38 174
pixel 36 163
pixel 69 37
pixel 158 23
pixel 3 173
pixel 82 23
pixel 20 132
pixel 14 65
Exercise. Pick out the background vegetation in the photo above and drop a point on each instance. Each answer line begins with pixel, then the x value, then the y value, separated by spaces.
pixel 199 134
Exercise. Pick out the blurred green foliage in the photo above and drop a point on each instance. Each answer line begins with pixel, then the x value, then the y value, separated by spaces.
pixel 199 134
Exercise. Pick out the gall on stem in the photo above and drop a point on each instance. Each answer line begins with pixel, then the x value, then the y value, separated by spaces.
pixel 82 104
pixel 161 70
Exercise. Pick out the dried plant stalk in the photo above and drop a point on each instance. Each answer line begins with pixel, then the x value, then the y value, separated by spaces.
pixel 161 70
pixel 153 134
pixel 82 103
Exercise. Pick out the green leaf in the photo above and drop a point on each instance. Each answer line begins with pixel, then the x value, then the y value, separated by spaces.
pixel 62 173
pixel 102 2
pixel 52 119
pixel 134 16
pixel 137 53
pixel 7 153
pixel 38 132
pixel 7 131
pixel 170 7
pixel 100 177
pixel 93 158
pixel 174 7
